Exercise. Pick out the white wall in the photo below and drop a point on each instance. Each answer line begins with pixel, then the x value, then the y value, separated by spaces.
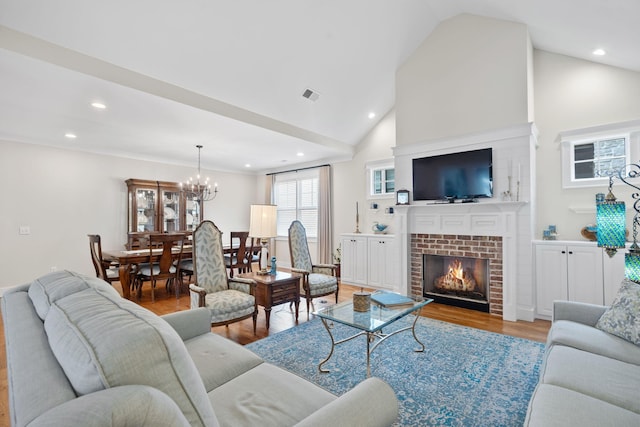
pixel 65 195
pixel 573 94
pixel 470 75
pixel 350 182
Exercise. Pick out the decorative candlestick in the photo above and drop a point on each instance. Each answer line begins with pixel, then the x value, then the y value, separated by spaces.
pixel 357 220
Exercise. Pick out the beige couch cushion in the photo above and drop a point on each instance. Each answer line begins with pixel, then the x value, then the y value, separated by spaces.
pixel 102 341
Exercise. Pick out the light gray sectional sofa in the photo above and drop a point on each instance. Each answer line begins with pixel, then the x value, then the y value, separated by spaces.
pixel 590 377
pixel 79 354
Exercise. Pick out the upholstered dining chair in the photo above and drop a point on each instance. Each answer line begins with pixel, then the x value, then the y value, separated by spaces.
pixel 166 268
pixel 228 299
pixel 104 270
pixel 238 257
pixel 317 279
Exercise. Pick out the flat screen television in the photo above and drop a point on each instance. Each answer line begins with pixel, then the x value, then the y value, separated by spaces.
pixel 467 175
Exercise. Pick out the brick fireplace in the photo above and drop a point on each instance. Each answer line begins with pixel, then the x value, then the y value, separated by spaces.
pixel 499 228
pixel 465 246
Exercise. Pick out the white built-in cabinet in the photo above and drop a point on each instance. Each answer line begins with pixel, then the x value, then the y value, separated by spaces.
pixel 574 271
pixel 368 260
pixel 353 267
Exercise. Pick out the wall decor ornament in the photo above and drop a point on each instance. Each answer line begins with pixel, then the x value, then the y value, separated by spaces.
pixel 402 197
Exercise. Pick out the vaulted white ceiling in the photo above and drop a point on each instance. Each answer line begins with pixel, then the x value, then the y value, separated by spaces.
pixel 230 74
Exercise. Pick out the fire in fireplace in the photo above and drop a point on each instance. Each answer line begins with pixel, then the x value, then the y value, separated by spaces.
pixel 460 281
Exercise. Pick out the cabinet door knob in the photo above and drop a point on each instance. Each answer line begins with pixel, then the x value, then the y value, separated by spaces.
pixel 564 252
pixel 570 252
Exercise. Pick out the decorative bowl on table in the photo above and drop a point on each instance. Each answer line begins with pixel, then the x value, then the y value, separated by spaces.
pixel 379 228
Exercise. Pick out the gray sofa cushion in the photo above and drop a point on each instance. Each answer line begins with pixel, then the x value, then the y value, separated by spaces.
pixel 593 340
pixel 601 377
pixel 29 356
pixel 129 405
pixel 556 406
pixel 210 351
pixel 268 396
pixel 53 286
pixel 103 341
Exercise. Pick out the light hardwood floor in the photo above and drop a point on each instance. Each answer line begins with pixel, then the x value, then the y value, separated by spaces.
pixel 283 318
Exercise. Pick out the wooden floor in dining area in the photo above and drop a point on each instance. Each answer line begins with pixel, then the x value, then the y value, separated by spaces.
pixel 282 317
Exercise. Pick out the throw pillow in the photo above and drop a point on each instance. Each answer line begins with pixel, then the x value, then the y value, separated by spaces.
pixel 622 318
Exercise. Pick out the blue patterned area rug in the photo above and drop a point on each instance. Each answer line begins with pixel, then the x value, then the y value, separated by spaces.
pixel 465 377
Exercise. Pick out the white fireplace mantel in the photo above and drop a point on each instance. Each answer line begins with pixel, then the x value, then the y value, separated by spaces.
pixel 513 156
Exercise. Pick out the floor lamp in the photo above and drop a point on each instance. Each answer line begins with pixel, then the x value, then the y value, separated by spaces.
pixel 263 226
pixel 611 223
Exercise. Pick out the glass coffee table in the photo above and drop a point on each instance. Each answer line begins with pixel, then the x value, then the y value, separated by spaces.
pixel 369 323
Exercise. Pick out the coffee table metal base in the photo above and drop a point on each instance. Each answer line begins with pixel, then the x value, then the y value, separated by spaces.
pixel 371 338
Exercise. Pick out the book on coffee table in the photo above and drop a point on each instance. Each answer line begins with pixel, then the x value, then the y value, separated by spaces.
pixel 392 300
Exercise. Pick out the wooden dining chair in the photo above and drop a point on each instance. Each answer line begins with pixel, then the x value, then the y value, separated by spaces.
pixel 104 270
pixel 167 266
pixel 238 258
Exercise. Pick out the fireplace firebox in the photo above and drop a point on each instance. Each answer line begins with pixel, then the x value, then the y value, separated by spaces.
pixel 457 280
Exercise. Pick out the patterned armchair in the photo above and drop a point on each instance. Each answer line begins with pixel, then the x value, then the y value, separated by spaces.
pixel 229 300
pixel 317 279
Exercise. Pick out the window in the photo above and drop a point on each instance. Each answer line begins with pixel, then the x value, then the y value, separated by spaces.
pixel 590 156
pixel 599 158
pixel 381 179
pixel 296 196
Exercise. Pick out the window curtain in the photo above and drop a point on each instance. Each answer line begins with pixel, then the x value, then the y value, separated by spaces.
pixel 325 219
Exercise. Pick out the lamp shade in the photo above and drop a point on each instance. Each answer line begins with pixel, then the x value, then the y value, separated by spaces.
pixel 611 222
pixel 632 266
pixel 263 221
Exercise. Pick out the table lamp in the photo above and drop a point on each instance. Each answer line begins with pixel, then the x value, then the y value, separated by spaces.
pixel 263 226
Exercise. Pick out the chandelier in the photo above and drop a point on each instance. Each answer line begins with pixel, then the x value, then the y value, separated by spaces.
pixel 200 192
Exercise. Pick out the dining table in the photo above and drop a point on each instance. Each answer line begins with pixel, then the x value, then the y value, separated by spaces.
pixel 129 259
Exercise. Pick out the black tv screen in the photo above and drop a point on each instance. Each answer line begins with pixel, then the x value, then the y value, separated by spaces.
pixel 466 175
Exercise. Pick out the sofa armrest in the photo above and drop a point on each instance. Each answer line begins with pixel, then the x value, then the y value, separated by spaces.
pixel 370 403
pixel 580 312
pixel 134 405
pixel 190 323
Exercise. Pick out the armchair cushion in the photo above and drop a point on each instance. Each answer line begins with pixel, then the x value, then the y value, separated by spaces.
pixel 229 304
pixel 321 284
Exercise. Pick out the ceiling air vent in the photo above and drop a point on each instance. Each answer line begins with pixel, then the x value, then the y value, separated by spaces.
pixel 311 94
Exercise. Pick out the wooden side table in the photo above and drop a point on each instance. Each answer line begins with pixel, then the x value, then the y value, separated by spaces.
pixel 276 289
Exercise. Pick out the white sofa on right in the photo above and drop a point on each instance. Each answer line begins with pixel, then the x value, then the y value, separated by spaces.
pixel 591 377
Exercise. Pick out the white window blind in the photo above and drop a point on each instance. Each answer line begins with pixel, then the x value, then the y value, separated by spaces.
pixel 296 196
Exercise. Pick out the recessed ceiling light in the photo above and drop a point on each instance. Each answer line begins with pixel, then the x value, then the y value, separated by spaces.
pixel 372 115
pixel 599 52
pixel 247 165
pixel 70 135
pixel 98 105
pixel 300 154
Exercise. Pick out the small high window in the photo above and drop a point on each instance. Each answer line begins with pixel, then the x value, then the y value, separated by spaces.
pixel 590 156
pixel 381 180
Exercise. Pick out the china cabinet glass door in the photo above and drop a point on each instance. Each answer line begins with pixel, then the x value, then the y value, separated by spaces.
pixel 171 211
pixel 145 214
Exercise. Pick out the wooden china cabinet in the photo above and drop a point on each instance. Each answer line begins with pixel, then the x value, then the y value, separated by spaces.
pixel 159 206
